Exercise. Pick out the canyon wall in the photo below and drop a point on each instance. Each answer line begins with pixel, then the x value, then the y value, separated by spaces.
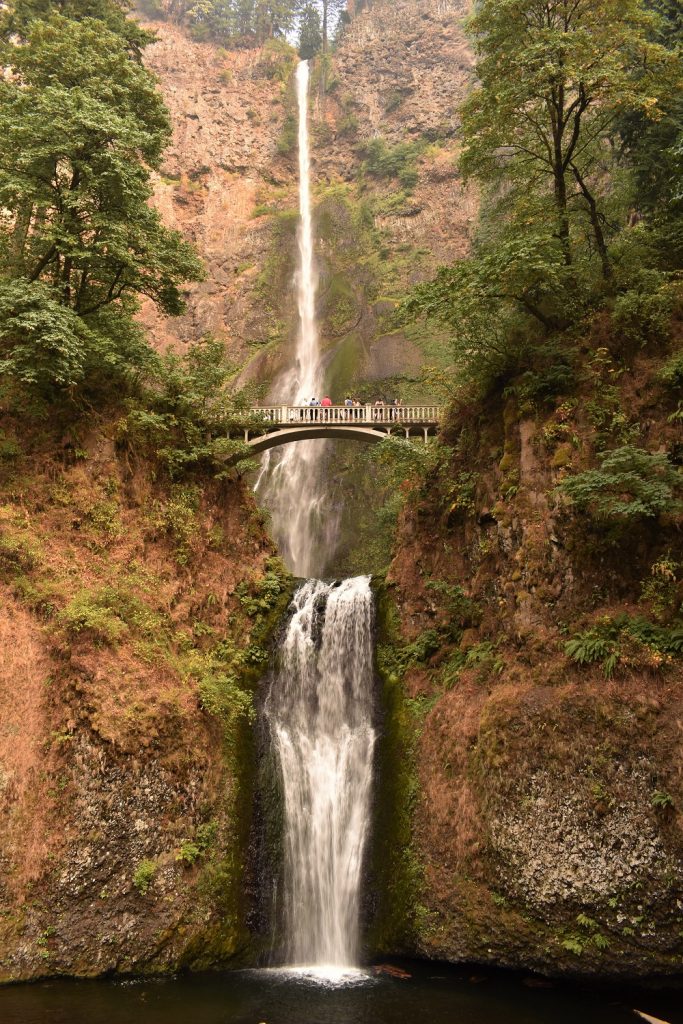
pixel 135 621
pixel 542 822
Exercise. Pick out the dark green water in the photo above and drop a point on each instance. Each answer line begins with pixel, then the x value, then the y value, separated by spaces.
pixel 432 995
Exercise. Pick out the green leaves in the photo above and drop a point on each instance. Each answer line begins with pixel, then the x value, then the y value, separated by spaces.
pixel 42 343
pixel 630 484
pixel 626 642
pixel 187 410
pixel 81 127
pixel 553 78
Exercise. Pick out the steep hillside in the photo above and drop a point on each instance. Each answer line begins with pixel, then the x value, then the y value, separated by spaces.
pixel 134 623
pixel 540 684
pixel 229 183
pixel 227 109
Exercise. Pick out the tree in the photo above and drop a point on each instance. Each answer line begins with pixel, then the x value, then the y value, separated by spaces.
pixel 17 16
pixel 554 76
pixel 81 127
pixel 654 149
pixel 310 32
pixel 242 21
pixel 330 8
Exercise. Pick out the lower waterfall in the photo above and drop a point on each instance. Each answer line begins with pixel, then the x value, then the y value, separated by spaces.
pixel 320 714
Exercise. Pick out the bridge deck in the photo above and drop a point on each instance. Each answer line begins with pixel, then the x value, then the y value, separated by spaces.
pixel 272 426
pixel 278 416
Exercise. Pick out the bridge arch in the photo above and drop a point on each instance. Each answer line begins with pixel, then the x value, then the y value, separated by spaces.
pixel 286 435
pixel 279 425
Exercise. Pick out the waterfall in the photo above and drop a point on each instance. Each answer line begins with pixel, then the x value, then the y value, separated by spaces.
pixel 291 482
pixel 319 710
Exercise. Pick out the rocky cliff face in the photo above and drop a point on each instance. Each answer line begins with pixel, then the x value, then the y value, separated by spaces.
pixel 130 647
pixel 227 110
pixel 229 183
pixel 548 822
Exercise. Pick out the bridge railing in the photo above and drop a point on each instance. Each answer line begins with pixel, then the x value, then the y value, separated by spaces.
pixel 360 415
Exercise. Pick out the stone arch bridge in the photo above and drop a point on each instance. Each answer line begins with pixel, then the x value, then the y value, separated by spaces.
pixel 276 425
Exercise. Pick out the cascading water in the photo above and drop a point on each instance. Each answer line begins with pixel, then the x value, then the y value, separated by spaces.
pixel 319 708
pixel 320 715
pixel 291 482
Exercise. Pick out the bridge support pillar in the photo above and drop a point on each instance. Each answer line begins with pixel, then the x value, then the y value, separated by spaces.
pixel 426 433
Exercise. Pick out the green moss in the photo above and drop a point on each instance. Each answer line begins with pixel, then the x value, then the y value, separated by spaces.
pixel 396 869
pixel 221 889
pixel 562 456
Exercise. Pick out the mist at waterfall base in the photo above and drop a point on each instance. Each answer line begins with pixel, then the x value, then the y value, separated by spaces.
pixel 434 994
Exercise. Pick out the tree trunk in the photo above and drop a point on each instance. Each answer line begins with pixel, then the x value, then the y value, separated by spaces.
pixel 598 233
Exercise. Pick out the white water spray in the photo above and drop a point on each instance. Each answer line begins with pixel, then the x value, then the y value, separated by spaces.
pixel 291 482
pixel 319 708
pixel 320 714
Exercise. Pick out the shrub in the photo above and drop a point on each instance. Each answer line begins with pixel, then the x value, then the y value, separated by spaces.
pixel 671 374
pixel 643 314
pixel 94 615
pixel 288 136
pixel 221 696
pixel 263 594
pixel 661 590
pixel 626 641
pixel 385 161
pixel 191 850
pixel 144 876
pixel 630 484
pixel 186 413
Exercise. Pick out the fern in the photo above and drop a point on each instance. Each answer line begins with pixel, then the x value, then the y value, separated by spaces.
pixel 631 484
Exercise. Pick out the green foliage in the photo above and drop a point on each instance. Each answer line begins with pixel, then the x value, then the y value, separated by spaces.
pixel 16 556
pixel 643 314
pixel 661 799
pixel 222 696
pixel 630 484
pixel 551 82
pixel 186 410
pixel 399 161
pixel 77 229
pixel 82 125
pixel 109 614
pixel 494 304
pixel 237 22
pixel 288 136
pixel 661 589
pixel 95 615
pixel 574 944
pixel 193 849
pixel 460 608
pixel 671 374
pixel 541 137
pixel 262 594
pixel 178 517
pixel 623 641
pixel 144 876
pixel 310 32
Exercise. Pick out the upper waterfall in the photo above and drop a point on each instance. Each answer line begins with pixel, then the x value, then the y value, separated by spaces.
pixel 308 348
pixel 291 483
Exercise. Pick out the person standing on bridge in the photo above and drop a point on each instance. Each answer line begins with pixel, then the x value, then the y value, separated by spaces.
pixel 326 405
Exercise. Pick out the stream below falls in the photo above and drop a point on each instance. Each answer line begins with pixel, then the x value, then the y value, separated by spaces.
pixel 433 994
